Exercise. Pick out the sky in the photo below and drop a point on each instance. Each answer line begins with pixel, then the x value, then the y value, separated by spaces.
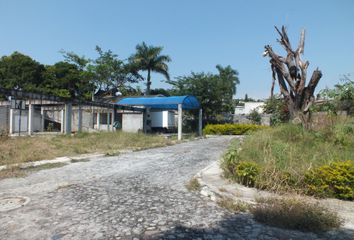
pixel 196 34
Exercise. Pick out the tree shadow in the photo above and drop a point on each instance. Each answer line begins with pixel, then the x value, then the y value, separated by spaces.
pixel 242 226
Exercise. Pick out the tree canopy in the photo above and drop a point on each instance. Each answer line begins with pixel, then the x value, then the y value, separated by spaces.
pixel 20 72
pixel 214 91
pixel 149 58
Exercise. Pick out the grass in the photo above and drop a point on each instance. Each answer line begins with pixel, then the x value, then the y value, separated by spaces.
pixel 27 149
pixel 232 205
pixel 285 153
pixel 17 172
pixel 295 213
pixel 193 185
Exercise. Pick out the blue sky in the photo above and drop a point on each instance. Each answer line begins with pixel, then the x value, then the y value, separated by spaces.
pixel 196 34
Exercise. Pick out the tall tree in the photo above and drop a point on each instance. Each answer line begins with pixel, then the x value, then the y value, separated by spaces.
pixel 291 73
pixel 149 58
pixel 21 72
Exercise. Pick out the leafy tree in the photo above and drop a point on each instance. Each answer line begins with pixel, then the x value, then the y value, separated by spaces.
pixel 277 107
pixel 214 91
pixel 21 72
pixel 111 73
pixel 341 97
pixel 149 58
pixel 64 79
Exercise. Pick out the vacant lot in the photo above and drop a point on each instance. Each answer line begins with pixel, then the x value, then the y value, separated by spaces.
pixel 26 149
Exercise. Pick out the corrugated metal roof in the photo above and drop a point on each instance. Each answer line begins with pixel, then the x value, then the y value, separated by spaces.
pixel 188 102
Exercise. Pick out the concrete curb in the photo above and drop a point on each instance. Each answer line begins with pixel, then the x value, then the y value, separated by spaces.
pixel 216 187
pixel 55 160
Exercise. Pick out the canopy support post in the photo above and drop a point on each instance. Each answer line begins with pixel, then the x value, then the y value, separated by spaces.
pixel 179 122
pixel 200 122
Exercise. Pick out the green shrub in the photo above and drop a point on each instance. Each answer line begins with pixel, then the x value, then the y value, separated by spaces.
pixel 294 213
pixel 231 129
pixel 239 171
pixel 255 117
pixel 246 173
pixel 333 180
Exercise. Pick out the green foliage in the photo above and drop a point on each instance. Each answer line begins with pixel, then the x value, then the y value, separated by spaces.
pixel 246 173
pixel 214 91
pixel 278 108
pixel 294 213
pixel 149 58
pixel 340 98
pixel 242 172
pixel 333 180
pixel 19 71
pixel 231 129
pixel 255 117
pixel 64 79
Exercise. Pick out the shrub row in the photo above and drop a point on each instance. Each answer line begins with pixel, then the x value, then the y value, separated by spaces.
pixel 231 129
pixel 333 180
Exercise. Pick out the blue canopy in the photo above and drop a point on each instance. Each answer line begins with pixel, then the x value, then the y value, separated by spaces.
pixel 188 102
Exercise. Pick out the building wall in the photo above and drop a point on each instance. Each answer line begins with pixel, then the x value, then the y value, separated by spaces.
pixel 4 119
pixel 132 122
pixel 248 107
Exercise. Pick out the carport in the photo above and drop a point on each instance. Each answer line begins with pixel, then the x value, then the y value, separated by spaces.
pixel 179 103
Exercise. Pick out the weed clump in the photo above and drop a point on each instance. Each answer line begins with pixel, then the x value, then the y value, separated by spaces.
pixel 193 185
pixel 295 214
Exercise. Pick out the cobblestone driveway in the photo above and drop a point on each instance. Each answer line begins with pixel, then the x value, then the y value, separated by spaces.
pixel 138 195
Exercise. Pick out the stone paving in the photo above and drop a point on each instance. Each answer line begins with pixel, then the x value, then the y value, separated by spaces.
pixel 138 195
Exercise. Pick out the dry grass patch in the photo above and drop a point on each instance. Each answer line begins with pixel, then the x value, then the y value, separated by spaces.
pixel 27 149
pixel 16 172
pixel 295 213
pixel 232 205
pixel 193 185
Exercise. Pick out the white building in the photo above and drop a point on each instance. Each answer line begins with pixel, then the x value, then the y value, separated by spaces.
pixel 245 108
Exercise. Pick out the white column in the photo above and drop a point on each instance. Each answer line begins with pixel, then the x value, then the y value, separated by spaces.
pixel 11 123
pixel 113 119
pixel 108 120
pixel 68 108
pixel 79 119
pixel 30 119
pixel 62 116
pixel 179 122
pixel 42 119
pixel 98 120
pixel 200 122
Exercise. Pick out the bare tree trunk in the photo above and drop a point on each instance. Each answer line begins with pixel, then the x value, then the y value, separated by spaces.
pixel 291 73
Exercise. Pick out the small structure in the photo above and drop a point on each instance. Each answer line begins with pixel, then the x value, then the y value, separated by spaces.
pixel 156 104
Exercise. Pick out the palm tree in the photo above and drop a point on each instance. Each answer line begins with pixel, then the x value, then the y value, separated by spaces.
pixel 148 58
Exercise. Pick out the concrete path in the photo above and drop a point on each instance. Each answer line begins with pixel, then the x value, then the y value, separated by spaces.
pixel 139 195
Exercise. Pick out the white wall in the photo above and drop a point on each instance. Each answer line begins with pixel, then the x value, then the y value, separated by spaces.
pixel 132 122
pixel 248 107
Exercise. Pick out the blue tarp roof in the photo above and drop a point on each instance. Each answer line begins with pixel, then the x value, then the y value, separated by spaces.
pixel 188 102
